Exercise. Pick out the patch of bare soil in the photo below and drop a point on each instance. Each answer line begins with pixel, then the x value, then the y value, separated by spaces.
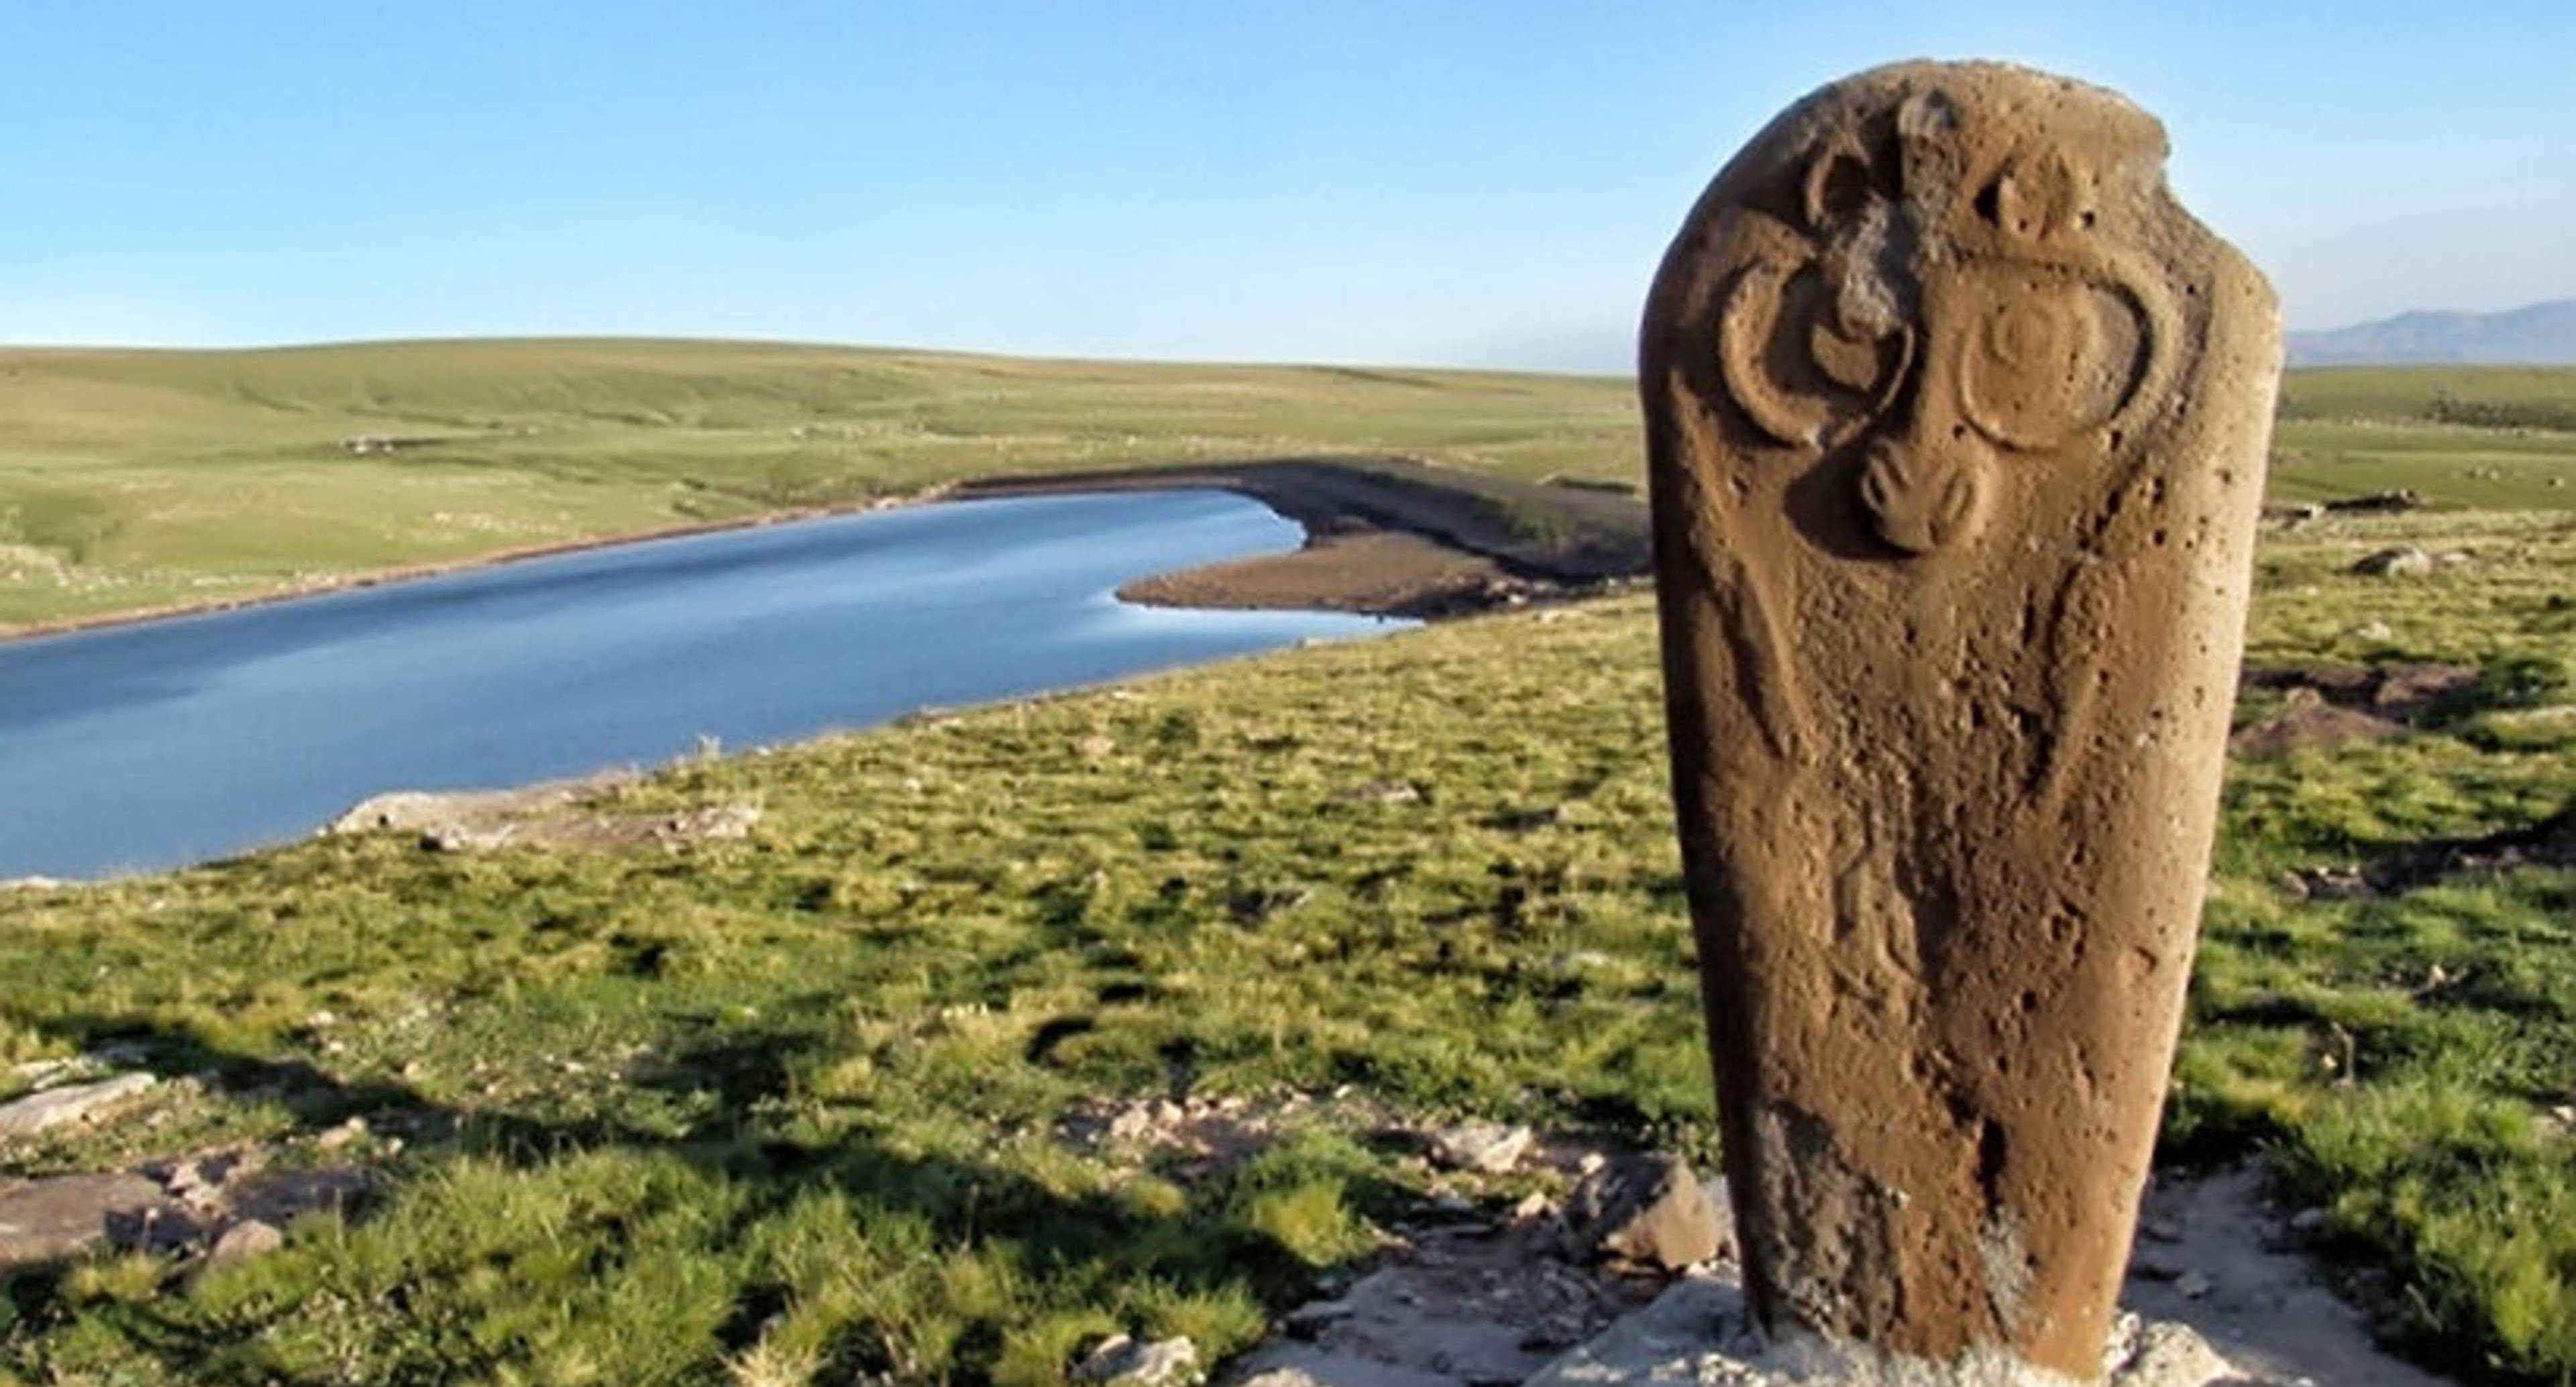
pixel 2214 1252
pixel 2548 843
pixel 563 813
pixel 2328 705
pixel 1476 541
pixel 1485 1297
pixel 1378 572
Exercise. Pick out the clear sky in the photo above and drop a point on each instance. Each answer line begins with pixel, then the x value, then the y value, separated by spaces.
pixel 1484 183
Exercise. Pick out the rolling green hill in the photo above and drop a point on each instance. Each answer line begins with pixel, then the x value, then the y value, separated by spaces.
pixel 140 479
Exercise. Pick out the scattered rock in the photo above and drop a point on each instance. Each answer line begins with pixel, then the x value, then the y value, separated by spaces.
pixel 2328 704
pixel 1384 792
pixel 1644 1211
pixel 1095 747
pixel 2308 722
pixel 2409 692
pixel 2404 498
pixel 1121 1361
pixel 200 1181
pixel 1701 1332
pixel 1487 1146
pixel 2548 843
pixel 2373 631
pixel 1463 1305
pixel 2404 561
pixel 414 811
pixel 1208 1133
pixel 37 1074
pixel 2191 1285
pixel 47 1220
pixel 713 824
pixel 2330 883
pixel 245 1240
pixel 563 813
pixel 282 1196
pixel 77 1103
pixel 343 1136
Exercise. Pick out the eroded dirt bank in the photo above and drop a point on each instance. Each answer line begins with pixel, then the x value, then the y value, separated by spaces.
pixel 1387 536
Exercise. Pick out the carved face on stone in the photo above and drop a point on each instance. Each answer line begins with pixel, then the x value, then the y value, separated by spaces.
pixel 1955 424
pixel 1950 315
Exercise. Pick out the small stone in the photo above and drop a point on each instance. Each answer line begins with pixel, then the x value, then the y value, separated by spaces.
pixel 76 1103
pixel 1121 1361
pixel 1486 1146
pixel 1385 792
pixel 1095 748
pixel 2373 631
pixel 2308 1223
pixel 2191 1285
pixel 342 1136
pixel 2154 1266
pixel 245 1240
pixel 1645 1211
pixel 2404 561
pixel 1311 1318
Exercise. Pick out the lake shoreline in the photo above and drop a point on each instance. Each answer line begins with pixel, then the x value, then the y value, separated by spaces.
pixel 1377 544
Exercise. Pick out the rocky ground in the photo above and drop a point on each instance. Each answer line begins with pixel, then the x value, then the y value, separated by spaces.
pixel 1616 1267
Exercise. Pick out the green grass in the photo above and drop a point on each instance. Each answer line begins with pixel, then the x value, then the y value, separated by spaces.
pixel 136 479
pixel 792 1109
pixel 795 1108
pixel 133 479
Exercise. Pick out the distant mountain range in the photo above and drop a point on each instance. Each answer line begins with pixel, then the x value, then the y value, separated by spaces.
pixel 2543 334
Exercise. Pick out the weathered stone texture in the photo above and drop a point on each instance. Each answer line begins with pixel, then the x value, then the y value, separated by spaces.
pixel 1957 426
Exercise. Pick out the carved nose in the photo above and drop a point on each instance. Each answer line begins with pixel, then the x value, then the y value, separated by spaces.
pixel 1924 490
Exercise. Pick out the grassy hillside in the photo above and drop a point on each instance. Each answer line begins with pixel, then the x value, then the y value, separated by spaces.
pixel 812 1105
pixel 139 479
pixel 133 479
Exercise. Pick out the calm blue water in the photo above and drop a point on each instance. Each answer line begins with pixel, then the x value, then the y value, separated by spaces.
pixel 176 741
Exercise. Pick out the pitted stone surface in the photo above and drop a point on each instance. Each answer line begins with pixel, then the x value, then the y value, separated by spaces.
pixel 1957 426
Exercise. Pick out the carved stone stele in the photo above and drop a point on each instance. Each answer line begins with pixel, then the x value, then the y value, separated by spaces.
pixel 1957 426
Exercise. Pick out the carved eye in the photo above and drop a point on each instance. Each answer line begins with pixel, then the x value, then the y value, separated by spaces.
pixel 1798 373
pixel 2045 355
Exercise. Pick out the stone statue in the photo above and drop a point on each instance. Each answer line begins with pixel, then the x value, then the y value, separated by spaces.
pixel 1957 425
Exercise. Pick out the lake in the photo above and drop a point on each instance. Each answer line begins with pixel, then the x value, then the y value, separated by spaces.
pixel 173 741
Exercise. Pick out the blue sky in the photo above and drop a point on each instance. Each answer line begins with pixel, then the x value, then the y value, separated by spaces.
pixel 1472 183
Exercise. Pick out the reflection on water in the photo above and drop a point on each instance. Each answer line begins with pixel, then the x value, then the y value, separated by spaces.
pixel 147 746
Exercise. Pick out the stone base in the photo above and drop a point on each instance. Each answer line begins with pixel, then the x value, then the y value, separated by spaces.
pixel 1701 1333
